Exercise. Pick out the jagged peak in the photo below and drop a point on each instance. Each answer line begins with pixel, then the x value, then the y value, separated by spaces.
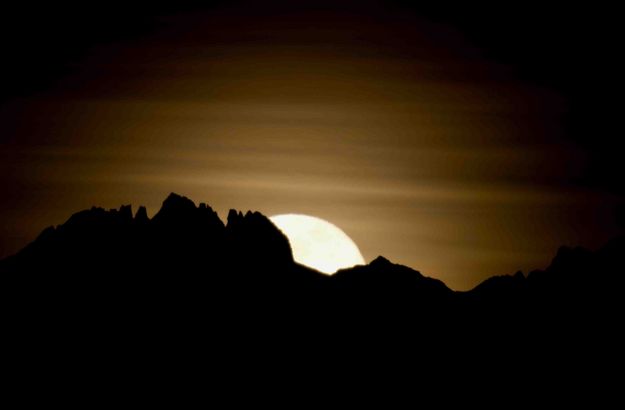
pixel 179 210
pixel 234 217
pixel 142 215
pixel 125 211
pixel 255 234
pixel 380 260
pixel 569 256
pixel 177 201
pixel 208 214
pixel 175 205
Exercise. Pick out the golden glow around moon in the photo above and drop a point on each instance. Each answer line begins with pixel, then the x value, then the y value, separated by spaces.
pixel 317 243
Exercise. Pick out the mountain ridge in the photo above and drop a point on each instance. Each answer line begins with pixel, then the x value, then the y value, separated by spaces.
pixel 111 287
pixel 179 217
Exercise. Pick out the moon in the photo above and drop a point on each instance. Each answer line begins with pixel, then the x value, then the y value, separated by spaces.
pixel 318 243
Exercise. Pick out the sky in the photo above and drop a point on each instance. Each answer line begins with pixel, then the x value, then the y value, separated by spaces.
pixel 462 142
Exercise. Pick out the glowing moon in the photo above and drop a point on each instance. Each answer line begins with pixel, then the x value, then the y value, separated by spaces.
pixel 317 243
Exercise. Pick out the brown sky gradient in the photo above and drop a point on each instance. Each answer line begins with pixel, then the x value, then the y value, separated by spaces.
pixel 399 130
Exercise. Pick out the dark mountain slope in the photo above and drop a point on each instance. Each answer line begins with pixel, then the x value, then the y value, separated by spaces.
pixel 183 294
pixel 186 258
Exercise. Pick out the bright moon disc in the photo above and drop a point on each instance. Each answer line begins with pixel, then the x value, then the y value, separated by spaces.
pixel 317 243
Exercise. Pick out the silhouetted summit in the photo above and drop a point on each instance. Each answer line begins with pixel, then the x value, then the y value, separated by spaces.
pixel 380 261
pixel 396 282
pixel 180 212
pixel 141 216
pixel 256 239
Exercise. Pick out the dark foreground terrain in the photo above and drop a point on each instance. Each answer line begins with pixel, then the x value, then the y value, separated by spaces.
pixel 110 291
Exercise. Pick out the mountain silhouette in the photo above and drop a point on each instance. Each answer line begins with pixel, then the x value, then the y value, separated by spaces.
pixel 188 249
pixel 187 285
